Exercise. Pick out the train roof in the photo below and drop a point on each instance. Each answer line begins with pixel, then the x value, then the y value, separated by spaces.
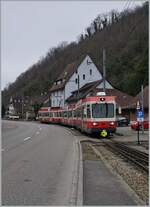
pixel 96 98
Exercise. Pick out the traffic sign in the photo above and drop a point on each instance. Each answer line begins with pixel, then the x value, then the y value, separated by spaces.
pixel 140 115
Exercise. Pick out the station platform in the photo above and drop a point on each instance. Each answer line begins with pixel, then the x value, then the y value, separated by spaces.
pixel 102 187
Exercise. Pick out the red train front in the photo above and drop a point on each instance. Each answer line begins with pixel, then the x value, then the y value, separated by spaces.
pixel 98 115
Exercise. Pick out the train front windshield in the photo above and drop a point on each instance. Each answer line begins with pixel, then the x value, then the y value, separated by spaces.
pixel 103 110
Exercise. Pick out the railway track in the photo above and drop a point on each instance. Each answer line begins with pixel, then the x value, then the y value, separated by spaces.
pixel 135 156
pixel 140 159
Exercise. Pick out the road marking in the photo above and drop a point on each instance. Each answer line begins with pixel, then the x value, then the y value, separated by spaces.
pixel 40 128
pixel 27 138
pixel 37 132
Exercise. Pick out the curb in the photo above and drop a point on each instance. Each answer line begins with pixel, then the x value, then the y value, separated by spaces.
pixel 80 177
pixel 76 194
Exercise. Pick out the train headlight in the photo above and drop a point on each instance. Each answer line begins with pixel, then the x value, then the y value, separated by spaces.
pixel 112 123
pixel 102 99
pixel 95 124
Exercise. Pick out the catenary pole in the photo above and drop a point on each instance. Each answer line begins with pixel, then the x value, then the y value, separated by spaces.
pixel 142 106
pixel 104 70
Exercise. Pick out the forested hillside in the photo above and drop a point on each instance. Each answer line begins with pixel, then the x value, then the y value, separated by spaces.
pixel 124 36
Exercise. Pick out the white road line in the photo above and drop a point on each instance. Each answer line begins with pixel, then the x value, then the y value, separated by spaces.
pixel 27 138
pixel 37 132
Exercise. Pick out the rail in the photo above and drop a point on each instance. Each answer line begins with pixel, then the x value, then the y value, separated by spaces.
pixel 135 156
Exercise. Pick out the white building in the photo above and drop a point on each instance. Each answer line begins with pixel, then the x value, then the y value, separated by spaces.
pixel 74 77
pixel 11 109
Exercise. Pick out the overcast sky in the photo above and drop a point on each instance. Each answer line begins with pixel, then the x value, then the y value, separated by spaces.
pixel 30 29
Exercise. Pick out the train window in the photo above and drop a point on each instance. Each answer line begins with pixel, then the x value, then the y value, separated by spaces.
pixel 69 114
pixel 103 110
pixel 75 113
pixel 88 111
pixel 65 113
pixel 84 112
pixel 79 112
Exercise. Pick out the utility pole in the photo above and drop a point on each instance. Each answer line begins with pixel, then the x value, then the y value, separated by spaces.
pixel 78 86
pixel 104 70
pixel 142 106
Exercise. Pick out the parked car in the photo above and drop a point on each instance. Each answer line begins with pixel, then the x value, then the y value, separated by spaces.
pixel 134 125
pixel 122 121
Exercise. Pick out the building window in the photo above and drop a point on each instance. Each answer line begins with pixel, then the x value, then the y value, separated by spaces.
pixel 76 80
pixel 90 71
pixel 83 76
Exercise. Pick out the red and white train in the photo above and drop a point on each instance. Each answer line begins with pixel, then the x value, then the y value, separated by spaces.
pixel 93 114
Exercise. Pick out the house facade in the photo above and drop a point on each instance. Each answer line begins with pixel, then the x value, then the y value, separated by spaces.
pixel 74 77
pixel 131 106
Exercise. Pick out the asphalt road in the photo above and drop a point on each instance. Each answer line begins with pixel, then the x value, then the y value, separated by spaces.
pixel 37 164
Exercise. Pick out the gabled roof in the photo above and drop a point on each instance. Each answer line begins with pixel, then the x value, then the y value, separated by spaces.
pixel 91 89
pixel 138 97
pixel 83 91
pixel 67 73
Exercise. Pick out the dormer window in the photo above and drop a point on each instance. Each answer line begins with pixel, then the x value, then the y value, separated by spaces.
pixel 59 82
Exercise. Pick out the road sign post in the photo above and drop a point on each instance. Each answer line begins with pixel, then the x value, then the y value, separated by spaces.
pixel 138 135
pixel 140 118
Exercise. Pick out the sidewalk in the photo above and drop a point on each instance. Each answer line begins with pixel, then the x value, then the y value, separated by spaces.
pixel 102 187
